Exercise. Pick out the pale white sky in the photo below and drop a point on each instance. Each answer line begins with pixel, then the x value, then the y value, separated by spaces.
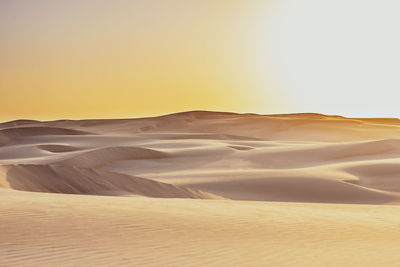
pixel 336 57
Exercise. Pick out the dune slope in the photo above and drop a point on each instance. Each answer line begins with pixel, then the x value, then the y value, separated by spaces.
pixel 289 157
pixel 74 180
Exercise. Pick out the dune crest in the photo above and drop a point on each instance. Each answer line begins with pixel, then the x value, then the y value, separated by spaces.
pixel 74 180
pixel 58 148
pixel 99 157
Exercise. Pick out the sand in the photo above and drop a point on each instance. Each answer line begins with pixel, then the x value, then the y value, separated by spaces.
pixel 201 188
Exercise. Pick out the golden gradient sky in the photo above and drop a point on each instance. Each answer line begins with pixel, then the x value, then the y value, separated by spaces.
pixel 126 58
pixel 120 58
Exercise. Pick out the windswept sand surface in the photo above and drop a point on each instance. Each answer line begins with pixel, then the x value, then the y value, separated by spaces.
pixel 165 191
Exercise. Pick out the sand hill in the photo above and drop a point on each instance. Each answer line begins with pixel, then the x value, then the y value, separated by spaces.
pixel 250 189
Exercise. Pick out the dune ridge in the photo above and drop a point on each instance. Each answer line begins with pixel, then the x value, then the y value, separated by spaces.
pixel 38 130
pixel 99 157
pixel 74 180
pixel 201 188
pixel 11 135
pixel 57 148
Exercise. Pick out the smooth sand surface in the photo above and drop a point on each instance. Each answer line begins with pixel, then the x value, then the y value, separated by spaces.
pixel 201 188
pixel 73 230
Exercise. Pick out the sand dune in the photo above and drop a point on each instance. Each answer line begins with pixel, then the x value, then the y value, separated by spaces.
pixel 102 156
pixel 11 135
pixel 16 123
pixel 227 154
pixel 58 148
pixel 308 158
pixel 5 140
pixel 297 189
pixel 33 131
pixel 307 127
pixel 74 180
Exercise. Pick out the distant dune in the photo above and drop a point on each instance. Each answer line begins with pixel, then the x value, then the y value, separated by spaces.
pixel 103 156
pixel 103 192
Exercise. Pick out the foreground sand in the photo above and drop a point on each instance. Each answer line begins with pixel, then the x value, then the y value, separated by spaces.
pixel 201 188
pixel 73 230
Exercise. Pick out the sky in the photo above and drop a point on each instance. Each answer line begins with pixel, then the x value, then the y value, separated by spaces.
pixel 112 59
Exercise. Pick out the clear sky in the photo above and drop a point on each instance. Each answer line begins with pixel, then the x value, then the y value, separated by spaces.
pixel 120 58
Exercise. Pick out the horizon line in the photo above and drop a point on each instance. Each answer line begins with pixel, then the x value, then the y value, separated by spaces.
pixel 193 111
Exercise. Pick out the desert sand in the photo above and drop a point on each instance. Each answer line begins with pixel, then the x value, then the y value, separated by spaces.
pixel 201 189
